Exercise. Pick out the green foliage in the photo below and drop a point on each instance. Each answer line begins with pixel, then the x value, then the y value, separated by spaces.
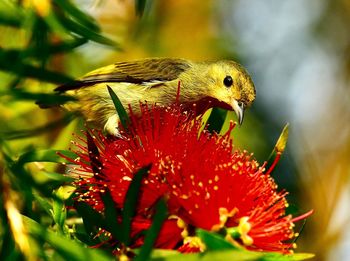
pixel 24 69
pixel 277 150
pixel 130 204
pixel 152 233
pixel 123 116
pixel 236 255
pixel 29 185
pixel 25 133
pixel 214 241
pixel 67 249
pixel 140 6
pixel 216 119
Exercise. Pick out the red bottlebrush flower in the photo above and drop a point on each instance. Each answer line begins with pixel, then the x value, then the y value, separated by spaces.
pixel 207 185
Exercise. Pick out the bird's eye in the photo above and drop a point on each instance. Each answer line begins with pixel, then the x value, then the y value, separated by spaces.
pixel 228 81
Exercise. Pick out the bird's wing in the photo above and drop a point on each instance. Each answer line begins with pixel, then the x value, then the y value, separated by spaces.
pixel 148 70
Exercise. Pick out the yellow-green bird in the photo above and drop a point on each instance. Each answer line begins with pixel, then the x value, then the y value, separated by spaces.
pixel 224 84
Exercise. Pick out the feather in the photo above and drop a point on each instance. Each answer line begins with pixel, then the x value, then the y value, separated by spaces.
pixel 137 72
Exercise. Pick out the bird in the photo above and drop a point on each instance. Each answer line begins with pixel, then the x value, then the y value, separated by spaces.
pixel 203 85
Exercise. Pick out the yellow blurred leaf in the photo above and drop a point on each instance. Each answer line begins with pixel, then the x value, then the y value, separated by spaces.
pixel 282 140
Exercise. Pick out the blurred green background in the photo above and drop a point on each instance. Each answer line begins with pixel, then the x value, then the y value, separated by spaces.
pixel 297 52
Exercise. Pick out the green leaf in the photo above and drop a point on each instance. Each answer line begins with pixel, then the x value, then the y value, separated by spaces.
pixel 8 247
pixel 47 98
pixel 56 177
pixel 282 140
pixel 39 40
pixel 59 214
pixel 84 238
pixel 51 176
pixel 92 219
pixel 68 249
pixel 45 156
pixel 111 216
pixel 23 180
pixel 140 6
pixel 233 255
pixel 9 20
pixel 164 253
pixel 56 48
pixel 53 22
pixel 123 116
pixel 44 203
pixel 10 14
pixel 281 257
pixel 302 256
pixel 130 204
pixel 153 232
pixel 281 143
pixel 86 32
pixel 20 68
pixel 214 241
pixel 94 156
pixel 78 15
pixel 278 150
pixel 67 46
pixel 20 134
pixel 216 119
pixel 50 48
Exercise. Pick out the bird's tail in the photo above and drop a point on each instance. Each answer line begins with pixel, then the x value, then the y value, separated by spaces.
pixel 44 105
pixel 47 101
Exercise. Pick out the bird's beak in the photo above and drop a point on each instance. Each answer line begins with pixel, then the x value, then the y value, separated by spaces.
pixel 238 108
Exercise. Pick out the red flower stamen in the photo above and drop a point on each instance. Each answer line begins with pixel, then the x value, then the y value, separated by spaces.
pixel 207 183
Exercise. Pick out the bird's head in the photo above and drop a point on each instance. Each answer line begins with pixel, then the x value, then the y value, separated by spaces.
pixel 231 86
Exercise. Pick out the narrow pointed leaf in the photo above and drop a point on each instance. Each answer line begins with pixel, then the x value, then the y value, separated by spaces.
pixel 22 178
pixel 23 69
pixel 78 15
pixel 111 216
pixel 214 241
pixel 232 255
pixel 278 150
pixel 302 256
pixel 44 156
pixel 8 19
pixel 92 219
pixel 25 133
pixel 69 249
pixel 51 48
pixel 67 46
pixel 44 203
pixel 86 32
pixel 130 204
pixel 123 116
pixel 282 141
pixel 10 14
pixel 216 119
pixel 9 251
pixel 94 156
pixel 281 257
pixel 140 6
pixel 235 255
pixel 153 232
pixel 46 98
pixel 53 177
pixel 59 214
